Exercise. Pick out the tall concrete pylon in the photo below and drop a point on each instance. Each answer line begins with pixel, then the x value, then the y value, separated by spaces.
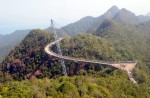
pixel 58 48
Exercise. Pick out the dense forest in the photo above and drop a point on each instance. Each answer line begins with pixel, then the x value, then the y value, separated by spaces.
pixel 114 85
pixel 28 66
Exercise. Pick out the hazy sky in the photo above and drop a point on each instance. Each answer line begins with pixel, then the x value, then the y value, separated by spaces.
pixel 27 14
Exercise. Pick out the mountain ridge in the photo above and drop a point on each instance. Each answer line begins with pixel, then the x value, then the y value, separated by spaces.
pixel 87 24
pixel 110 13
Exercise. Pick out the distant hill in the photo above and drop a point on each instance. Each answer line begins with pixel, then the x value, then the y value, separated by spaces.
pixel 80 26
pixel 90 24
pixel 9 41
pixel 87 24
pixel 108 15
pixel 127 17
pixel 148 14
pixel 142 18
pixel 13 37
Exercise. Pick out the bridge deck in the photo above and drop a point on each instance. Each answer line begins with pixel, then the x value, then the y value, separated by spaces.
pixel 125 65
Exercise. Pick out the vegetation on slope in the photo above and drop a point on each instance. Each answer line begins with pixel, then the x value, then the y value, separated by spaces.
pixel 29 59
pixel 131 41
pixel 92 47
pixel 112 86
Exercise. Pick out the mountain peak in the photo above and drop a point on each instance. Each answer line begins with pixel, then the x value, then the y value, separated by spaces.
pixel 111 12
pixel 125 16
pixel 123 9
pixel 114 9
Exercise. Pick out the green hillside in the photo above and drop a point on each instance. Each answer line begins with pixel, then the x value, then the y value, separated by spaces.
pixel 92 47
pixel 29 60
pixel 132 41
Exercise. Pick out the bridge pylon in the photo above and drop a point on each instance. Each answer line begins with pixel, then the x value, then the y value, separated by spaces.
pixel 58 48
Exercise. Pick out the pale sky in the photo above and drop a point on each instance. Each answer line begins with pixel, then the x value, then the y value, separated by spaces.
pixel 30 14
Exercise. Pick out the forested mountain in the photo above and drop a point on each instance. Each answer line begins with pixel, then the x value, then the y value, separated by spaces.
pixel 29 60
pixel 9 41
pixel 133 41
pixel 27 57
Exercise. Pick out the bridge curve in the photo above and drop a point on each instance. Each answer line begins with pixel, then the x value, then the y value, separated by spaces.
pixel 126 66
